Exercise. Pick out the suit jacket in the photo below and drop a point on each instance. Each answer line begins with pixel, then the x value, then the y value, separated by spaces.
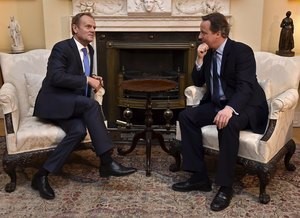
pixel 239 83
pixel 65 79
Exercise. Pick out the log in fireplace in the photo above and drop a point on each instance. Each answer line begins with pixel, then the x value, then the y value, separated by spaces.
pixel 132 55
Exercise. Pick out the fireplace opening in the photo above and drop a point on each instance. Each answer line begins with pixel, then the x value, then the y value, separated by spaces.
pixel 136 55
pixel 151 64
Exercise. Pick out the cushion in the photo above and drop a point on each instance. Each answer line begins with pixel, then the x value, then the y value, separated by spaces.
pixel 34 135
pixel 33 85
pixel 266 86
pixel 250 147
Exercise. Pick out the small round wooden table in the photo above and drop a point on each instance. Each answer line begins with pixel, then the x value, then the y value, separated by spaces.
pixel 147 86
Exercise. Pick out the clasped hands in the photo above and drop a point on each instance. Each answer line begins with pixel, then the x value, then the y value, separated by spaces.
pixel 96 82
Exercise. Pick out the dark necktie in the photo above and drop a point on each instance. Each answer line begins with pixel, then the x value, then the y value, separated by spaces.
pixel 216 86
pixel 86 65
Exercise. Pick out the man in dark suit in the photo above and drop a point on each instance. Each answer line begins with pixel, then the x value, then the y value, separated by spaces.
pixel 234 101
pixel 64 100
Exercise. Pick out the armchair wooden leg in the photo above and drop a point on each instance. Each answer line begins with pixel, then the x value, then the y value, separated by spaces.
pixel 291 147
pixel 10 169
pixel 264 178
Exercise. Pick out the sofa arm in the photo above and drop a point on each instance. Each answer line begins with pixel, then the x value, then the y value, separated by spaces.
pixel 283 102
pixel 193 95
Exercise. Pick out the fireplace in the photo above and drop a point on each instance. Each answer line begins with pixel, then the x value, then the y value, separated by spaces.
pixel 132 55
pixel 137 41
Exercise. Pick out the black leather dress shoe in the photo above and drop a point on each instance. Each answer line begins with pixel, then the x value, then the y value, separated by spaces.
pixel 221 200
pixel 115 169
pixel 41 184
pixel 192 186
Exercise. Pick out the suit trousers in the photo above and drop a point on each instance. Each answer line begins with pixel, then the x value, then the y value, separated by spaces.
pixel 87 115
pixel 191 120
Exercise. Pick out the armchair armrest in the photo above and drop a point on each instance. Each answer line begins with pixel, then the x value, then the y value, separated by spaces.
pixel 8 98
pixel 283 102
pixel 193 95
pixel 10 106
pixel 281 116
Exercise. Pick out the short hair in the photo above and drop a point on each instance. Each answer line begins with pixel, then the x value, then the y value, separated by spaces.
pixel 76 19
pixel 218 22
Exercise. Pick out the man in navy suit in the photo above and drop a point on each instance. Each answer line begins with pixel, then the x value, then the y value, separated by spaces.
pixel 64 100
pixel 234 102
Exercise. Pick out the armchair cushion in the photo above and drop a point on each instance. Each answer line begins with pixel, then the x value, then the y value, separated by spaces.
pixel 266 86
pixel 33 85
pixel 42 135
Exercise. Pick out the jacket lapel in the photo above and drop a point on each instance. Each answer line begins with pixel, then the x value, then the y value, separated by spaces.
pixel 77 55
pixel 225 55
pixel 91 52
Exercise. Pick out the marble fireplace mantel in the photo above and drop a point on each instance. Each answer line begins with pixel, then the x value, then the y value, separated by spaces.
pixel 149 15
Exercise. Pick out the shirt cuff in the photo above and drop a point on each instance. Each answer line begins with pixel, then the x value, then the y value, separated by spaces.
pixel 198 66
pixel 236 113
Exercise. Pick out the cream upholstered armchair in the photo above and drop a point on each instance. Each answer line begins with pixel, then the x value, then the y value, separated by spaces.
pixel 27 138
pixel 259 153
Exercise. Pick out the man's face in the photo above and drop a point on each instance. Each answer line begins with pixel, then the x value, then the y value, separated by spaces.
pixel 207 36
pixel 85 30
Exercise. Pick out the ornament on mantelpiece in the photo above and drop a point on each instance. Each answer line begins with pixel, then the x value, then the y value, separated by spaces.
pixel 149 7
pixel 17 45
pixel 88 6
pixel 286 39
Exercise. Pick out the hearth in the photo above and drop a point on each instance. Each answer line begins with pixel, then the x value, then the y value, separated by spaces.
pixel 144 55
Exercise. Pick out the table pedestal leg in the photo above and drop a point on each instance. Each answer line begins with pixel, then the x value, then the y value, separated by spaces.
pixel 147 134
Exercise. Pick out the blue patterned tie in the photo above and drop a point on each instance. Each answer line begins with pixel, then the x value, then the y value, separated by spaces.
pixel 86 65
pixel 216 86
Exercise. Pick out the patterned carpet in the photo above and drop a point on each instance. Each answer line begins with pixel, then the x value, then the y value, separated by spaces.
pixel 81 193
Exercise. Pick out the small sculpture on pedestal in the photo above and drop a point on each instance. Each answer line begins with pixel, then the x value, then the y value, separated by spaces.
pixel 17 45
pixel 286 40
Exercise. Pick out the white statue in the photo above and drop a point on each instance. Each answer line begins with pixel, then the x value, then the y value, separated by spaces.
pixel 15 33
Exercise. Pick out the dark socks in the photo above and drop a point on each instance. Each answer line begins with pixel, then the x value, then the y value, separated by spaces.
pixel 199 177
pixel 106 158
pixel 227 190
pixel 42 172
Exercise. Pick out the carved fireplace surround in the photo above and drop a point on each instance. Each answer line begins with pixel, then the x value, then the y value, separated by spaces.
pixel 165 30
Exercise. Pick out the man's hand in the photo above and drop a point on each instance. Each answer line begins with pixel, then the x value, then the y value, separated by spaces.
pixel 96 82
pixel 100 79
pixel 201 52
pixel 222 117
